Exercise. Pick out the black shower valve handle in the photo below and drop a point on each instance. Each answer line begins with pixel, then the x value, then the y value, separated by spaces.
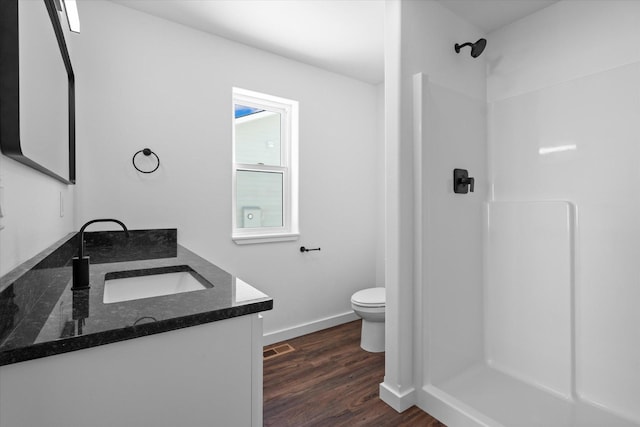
pixel 470 181
pixel 462 182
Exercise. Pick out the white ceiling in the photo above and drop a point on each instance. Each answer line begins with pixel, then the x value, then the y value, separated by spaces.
pixel 489 15
pixel 344 36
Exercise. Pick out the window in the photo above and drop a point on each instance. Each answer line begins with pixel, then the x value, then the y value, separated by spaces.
pixel 265 173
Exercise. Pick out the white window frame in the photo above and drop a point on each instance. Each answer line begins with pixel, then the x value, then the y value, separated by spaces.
pixel 288 110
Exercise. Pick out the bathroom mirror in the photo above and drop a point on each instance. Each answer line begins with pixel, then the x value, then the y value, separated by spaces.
pixel 37 107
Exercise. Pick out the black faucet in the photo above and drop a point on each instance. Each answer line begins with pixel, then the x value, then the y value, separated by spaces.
pixel 81 262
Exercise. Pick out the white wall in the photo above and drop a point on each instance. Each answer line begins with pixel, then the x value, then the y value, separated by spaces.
pixel 146 82
pixel 434 281
pixel 569 76
pixel 380 185
pixel 31 210
pixel 560 43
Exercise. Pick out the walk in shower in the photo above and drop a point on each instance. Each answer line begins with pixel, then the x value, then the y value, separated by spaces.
pixel 529 287
pixel 551 334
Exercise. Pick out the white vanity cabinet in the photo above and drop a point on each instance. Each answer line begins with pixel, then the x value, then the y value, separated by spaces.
pixel 204 375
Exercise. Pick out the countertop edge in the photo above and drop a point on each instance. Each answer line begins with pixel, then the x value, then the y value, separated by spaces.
pixel 41 350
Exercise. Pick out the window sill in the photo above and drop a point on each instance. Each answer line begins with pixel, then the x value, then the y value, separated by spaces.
pixel 264 238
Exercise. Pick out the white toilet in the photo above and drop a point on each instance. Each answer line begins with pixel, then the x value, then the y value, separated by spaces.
pixel 369 304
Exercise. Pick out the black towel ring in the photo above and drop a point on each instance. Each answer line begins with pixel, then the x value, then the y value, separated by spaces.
pixel 146 152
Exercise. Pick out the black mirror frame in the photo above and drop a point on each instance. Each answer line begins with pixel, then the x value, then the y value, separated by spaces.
pixel 10 88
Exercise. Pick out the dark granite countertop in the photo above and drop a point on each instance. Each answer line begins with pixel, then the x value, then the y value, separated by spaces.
pixel 41 316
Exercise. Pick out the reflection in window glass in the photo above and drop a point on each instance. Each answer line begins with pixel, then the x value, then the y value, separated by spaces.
pixel 259 199
pixel 243 110
pixel 257 136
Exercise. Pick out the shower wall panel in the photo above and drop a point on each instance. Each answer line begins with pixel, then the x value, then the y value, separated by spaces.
pixel 454 129
pixel 528 292
pixel 580 141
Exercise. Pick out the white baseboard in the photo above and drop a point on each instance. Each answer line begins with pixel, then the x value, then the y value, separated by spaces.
pixel 398 401
pixel 307 328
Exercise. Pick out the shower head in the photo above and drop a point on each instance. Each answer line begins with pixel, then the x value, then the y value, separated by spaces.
pixel 476 48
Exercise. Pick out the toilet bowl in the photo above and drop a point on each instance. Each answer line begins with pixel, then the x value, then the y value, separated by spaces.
pixel 369 304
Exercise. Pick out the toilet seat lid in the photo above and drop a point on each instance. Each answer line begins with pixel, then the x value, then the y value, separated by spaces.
pixel 371 297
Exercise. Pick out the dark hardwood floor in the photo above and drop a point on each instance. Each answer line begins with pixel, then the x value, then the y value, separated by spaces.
pixel 328 380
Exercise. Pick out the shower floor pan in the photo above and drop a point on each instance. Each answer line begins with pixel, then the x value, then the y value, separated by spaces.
pixel 493 398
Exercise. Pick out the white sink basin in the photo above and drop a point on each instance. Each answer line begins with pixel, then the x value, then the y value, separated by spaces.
pixel 150 283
